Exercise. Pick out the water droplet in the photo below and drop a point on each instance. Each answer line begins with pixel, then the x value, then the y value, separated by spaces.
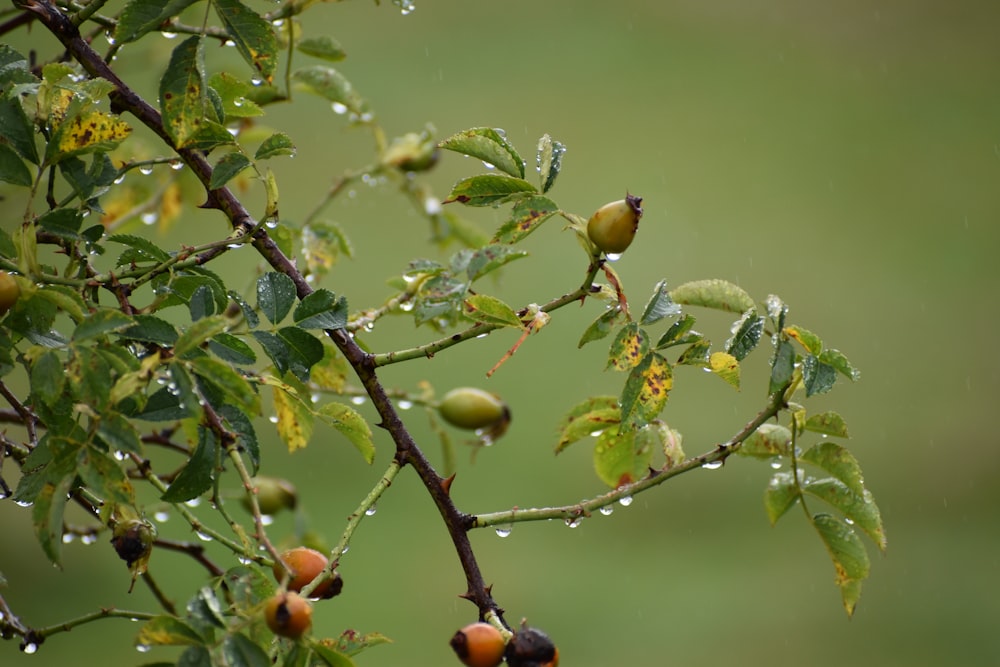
pixel 146 169
pixel 239 101
pixel 244 560
pixel 277 23
pixel 194 502
pixel 574 522
pixel 233 130
pixel 483 335
pixel 119 180
pixel 432 206
pixel 613 256
pixel 712 465
pixel 406 7
pixel 596 434
pixel 503 531
pixel 161 516
pixel 369 326
pixel 229 42
pixel 169 35
pixel 273 419
pixel 68 538
pixel 142 648
pixel 256 81
pixel 149 218
pixel 110 38
pixel 406 307
pixel 339 108
pixel 776 463
pixel 89 538
pixel 625 501
pixel 176 165
pixel 358 400
pixel 204 537
pixel 266 519
pixel 29 647
pixel 849 521
pixel 120 455
pixel 371 511
pixel 607 510
pixel 405 405
pixel 23 503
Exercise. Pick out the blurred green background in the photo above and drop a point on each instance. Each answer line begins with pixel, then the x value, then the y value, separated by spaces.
pixel 845 156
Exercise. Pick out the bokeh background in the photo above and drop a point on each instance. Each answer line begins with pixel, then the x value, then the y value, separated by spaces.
pixel 845 156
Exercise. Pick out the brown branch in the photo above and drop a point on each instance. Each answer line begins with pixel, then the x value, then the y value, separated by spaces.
pixel 407 450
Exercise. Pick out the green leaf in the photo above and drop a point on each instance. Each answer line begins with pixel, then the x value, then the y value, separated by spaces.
pixel 199 332
pixel 678 333
pixel 238 650
pixel 277 144
pixel 659 305
pixel 805 338
pixel 827 423
pixel 253 36
pixel 141 16
pixel 696 354
pixel 63 222
pixel 321 310
pixel 330 84
pixel 838 461
pixel 838 361
pixel 47 377
pixel 168 631
pixel 47 517
pixel 235 95
pixel 549 158
pixel 12 167
pixel 331 657
pixel 850 560
pixel 746 334
pixel 323 47
pixel 489 145
pixel 629 348
pixel 196 477
pixel 104 476
pixel 726 367
pixel 118 433
pixel 323 243
pixel 274 348
pixel 780 495
pixel 622 458
pixel 275 296
pixel 227 168
pixel 352 426
pixel 602 326
pixel 240 424
pixel 100 322
pixel 768 441
pixel 237 389
pixel 646 390
pixel 182 92
pixel 526 216
pixel 860 510
pixel 586 418
pixel 143 249
pixel 303 350
pixel 489 189
pixel 817 377
pixel 713 293
pixel 491 310
pixel 151 329
pixel 351 642
pixel 16 129
pixel 490 258
pixel 249 314
pixel 782 366
pixel 232 349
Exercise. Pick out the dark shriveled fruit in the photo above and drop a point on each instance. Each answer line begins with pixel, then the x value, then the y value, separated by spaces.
pixel 530 647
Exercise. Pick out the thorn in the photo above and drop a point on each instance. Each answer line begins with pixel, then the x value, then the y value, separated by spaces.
pixel 446 483
pixel 465 596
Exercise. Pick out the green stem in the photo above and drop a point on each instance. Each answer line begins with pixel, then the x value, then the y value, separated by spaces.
pixel 583 509
pixel 353 521
pixel 111 612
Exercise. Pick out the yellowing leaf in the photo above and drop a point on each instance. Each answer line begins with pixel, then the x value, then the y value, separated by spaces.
pixel 295 421
pixel 726 367
pixel 91 131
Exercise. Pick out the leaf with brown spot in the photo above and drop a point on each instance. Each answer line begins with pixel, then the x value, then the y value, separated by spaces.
pixel 646 390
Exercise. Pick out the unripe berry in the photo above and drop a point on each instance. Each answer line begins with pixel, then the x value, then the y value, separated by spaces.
pixel 411 152
pixel 10 292
pixel 288 615
pixel 305 565
pixel 471 408
pixel 273 495
pixel 478 645
pixel 530 647
pixel 613 226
